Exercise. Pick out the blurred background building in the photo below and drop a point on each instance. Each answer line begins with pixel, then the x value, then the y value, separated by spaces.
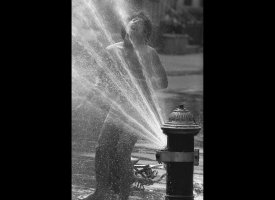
pixel 178 24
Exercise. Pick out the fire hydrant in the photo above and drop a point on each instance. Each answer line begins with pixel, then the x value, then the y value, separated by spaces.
pixel 179 155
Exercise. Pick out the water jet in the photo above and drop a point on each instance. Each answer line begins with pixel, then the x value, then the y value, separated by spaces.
pixel 99 78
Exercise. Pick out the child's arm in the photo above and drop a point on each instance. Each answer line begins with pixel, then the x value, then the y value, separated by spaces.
pixel 159 73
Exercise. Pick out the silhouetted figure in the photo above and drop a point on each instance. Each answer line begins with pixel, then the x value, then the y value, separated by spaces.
pixel 113 167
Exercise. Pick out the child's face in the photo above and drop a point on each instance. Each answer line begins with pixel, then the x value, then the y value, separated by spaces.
pixel 135 28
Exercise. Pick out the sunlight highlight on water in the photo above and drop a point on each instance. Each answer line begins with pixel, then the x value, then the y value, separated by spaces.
pixel 99 77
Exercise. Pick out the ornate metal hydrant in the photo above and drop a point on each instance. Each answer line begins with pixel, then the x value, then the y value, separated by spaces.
pixel 179 155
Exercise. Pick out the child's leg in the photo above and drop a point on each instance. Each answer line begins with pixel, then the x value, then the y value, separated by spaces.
pixel 125 168
pixel 104 158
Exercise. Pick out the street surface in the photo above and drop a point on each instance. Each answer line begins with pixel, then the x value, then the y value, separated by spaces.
pixel 185 85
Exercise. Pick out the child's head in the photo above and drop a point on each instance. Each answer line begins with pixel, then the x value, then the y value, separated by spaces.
pixel 138 23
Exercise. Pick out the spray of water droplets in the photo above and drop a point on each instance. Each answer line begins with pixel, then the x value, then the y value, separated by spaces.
pixel 100 78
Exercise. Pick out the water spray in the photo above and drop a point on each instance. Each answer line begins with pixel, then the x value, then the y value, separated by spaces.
pixel 91 35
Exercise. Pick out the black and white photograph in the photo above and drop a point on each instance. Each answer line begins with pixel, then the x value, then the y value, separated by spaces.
pixel 137 100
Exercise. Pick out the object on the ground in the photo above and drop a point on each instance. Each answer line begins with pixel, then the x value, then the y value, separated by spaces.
pixel 179 156
pixel 144 175
pixel 134 160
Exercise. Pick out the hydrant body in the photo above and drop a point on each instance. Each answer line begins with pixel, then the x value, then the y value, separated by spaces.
pixel 179 155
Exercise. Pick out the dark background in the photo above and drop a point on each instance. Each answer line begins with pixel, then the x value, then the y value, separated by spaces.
pixel 36 91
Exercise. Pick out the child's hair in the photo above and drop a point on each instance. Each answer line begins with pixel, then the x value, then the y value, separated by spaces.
pixel 147 25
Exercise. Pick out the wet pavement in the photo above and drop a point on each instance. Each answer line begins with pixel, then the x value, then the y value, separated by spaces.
pixel 177 65
pixel 84 177
pixel 185 86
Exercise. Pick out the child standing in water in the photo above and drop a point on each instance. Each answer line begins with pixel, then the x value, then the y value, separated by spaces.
pixel 113 167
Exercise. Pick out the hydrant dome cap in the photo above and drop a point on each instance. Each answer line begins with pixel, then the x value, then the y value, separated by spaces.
pixel 181 118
